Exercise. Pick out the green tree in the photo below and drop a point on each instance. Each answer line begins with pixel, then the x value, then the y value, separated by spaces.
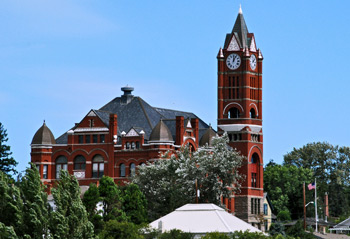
pixel 175 234
pixel 7 163
pixel 277 229
pixel 70 219
pixel 284 185
pixel 134 204
pixel 7 232
pixel 35 205
pixel 90 200
pixel 297 231
pixel 284 216
pixel 119 230
pixel 331 167
pixel 11 205
pixel 170 182
pixel 112 200
pixel 216 235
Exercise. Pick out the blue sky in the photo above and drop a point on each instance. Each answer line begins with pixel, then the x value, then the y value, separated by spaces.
pixel 61 58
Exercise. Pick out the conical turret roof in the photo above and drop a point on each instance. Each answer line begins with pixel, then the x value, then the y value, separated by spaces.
pixel 43 136
pixel 161 133
pixel 240 29
pixel 207 137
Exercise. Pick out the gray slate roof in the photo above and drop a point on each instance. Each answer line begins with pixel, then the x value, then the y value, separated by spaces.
pixel 139 114
pixel 240 30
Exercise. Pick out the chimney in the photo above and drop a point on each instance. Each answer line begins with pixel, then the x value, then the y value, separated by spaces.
pixel 179 130
pixel 113 126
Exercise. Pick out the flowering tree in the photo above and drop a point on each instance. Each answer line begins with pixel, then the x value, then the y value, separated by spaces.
pixel 171 181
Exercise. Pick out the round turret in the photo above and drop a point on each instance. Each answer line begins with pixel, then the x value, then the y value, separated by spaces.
pixel 43 136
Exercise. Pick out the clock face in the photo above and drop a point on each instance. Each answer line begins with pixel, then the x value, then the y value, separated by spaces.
pixel 252 61
pixel 233 61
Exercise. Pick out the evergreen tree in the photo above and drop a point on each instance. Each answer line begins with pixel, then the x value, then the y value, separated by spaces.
pixel 70 219
pixel 112 200
pixel 90 200
pixel 11 205
pixel 7 163
pixel 135 204
pixel 35 205
pixel 7 232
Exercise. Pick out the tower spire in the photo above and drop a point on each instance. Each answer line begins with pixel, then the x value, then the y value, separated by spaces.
pixel 240 9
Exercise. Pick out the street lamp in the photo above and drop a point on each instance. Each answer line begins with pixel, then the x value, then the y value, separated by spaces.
pixel 308 203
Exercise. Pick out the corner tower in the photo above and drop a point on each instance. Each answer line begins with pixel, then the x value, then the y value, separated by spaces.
pixel 240 114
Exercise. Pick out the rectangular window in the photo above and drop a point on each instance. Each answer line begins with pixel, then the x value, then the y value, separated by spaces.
pixel 45 171
pixel 265 209
pixel 94 138
pixel 102 138
pixel 258 206
pixel 38 167
pixel 253 179
pixel 81 139
pixel 252 205
pixel 87 139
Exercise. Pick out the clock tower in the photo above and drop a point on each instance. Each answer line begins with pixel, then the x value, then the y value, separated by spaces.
pixel 240 115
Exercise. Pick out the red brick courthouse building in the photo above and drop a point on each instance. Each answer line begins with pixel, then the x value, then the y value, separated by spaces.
pixel 127 131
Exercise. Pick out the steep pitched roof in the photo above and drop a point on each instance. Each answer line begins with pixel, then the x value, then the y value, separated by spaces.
pixel 240 31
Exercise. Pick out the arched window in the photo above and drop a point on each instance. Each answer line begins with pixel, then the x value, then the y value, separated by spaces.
pixel 97 166
pixel 255 158
pixel 142 164
pixel 127 145
pixel 137 144
pixel 133 145
pixel 255 171
pixel 122 170
pixel 132 169
pixel 79 162
pixel 252 113
pixel 61 164
pixel 233 113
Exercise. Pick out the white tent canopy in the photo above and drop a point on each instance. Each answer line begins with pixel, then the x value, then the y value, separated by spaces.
pixel 201 219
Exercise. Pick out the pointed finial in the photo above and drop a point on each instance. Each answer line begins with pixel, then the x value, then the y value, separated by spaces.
pixel 44 121
pixel 240 9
